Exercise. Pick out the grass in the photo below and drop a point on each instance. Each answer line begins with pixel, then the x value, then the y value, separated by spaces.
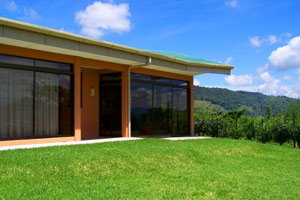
pixel 152 169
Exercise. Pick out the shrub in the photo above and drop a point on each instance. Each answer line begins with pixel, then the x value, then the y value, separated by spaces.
pixel 282 132
pixel 263 134
pixel 296 136
pixel 250 130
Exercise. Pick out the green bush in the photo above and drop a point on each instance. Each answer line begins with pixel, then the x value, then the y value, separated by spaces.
pixel 250 130
pixel 233 124
pixel 263 134
pixel 282 132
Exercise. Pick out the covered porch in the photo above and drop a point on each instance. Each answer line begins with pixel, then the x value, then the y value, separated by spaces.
pixel 105 83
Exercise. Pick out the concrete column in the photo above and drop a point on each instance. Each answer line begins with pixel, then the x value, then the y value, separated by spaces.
pixel 77 100
pixel 191 82
pixel 125 104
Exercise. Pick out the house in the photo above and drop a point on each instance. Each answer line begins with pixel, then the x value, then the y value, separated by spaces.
pixel 57 86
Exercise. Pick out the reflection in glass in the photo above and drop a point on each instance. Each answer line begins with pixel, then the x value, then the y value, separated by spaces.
pixel 16 60
pixel 52 107
pixel 110 105
pixel 162 110
pixel 161 80
pixel 159 108
pixel 141 109
pixel 53 65
pixel 34 104
pixel 140 77
pixel 180 112
pixel 16 103
pixel 179 82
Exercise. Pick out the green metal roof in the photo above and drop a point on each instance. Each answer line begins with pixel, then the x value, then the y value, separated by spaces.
pixel 184 57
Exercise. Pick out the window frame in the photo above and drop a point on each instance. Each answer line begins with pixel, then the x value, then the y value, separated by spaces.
pixel 35 70
pixel 153 83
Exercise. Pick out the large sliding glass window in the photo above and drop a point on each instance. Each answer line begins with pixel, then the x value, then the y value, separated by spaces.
pixel 159 106
pixel 35 98
pixel 141 109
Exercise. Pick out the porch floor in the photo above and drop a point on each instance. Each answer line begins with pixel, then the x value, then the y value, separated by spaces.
pixel 31 146
pixel 187 138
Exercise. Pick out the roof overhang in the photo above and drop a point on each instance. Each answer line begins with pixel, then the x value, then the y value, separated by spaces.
pixel 39 38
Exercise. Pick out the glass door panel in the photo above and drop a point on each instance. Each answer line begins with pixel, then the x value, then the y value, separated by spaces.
pixel 110 105
pixel 16 103
pixel 180 120
pixel 141 109
pixel 162 110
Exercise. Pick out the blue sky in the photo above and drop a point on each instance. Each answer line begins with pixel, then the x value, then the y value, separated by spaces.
pixel 260 38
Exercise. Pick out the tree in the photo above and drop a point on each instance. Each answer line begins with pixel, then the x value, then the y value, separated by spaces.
pixel 293 116
pixel 268 113
pixel 235 115
pixel 293 113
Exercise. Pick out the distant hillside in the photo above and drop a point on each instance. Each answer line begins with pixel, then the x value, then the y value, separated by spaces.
pixel 215 99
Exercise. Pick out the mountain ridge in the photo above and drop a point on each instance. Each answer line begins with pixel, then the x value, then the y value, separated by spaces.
pixel 221 99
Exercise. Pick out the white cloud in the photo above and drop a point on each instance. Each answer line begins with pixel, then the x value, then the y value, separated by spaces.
pixel 255 41
pixel 271 86
pixel 287 78
pixel 30 14
pixel 196 82
pixel 266 77
pixel 239 80
pixel 288 35
pixel 232 3
pixel 273 39
pixel 228 60
pixel 66 30
pixel 11 6
pixel 297 86
pixel 286 57
pixel 99 18
pixel 262 69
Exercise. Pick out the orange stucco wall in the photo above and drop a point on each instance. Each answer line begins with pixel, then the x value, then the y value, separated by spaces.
pixel 90 104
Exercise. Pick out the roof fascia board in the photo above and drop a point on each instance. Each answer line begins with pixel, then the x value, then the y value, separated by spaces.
pixel 209 70
pixel 70 36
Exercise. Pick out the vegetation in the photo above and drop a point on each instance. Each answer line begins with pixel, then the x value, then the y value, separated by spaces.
pixel 218 99
pixel 152 169
pixel 282 128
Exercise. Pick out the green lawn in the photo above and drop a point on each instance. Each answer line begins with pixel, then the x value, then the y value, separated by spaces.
pixel 153 169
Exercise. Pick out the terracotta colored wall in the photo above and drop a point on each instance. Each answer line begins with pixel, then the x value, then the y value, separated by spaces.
pixel 90 104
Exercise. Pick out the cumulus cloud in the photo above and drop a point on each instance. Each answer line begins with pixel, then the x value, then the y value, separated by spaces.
pixel 196 82
pixel 99 18
pixel 297 87
pixel 228 61
pixel 286 57
pixel 287 77
pixel 239 80
pixel 262 69
pixel 273 39
pixel 11 6
pixel 256 41
pixel 271 86
pixel 264 83
pixel 232 3
pixel 30 14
